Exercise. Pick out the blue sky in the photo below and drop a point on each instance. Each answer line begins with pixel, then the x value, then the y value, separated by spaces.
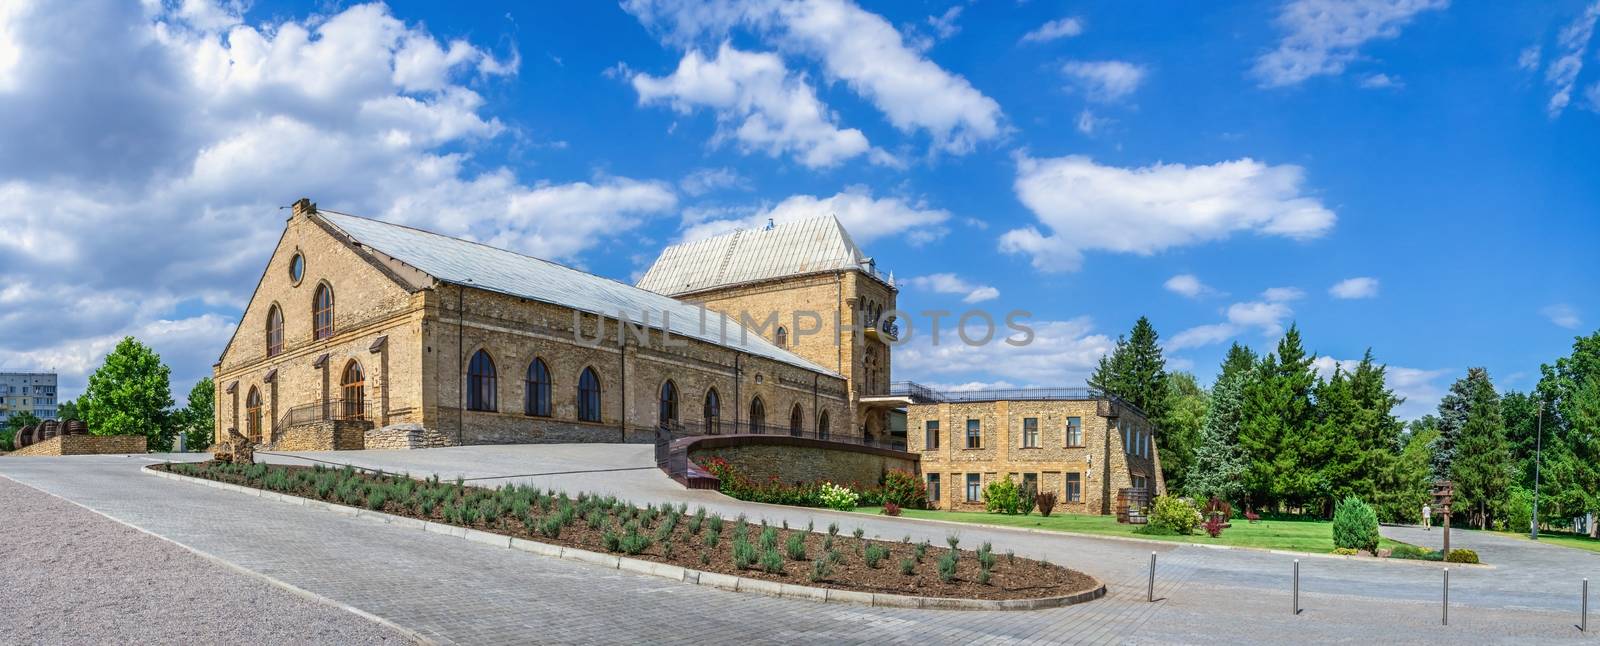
pixel 1414 176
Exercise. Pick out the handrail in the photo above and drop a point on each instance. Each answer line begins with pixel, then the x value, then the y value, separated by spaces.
pixel 326 410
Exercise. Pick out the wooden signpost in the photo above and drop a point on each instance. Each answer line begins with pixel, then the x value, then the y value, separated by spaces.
pixel 1443 492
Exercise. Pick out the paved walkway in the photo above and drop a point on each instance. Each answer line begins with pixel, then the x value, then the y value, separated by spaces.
pixel 456 591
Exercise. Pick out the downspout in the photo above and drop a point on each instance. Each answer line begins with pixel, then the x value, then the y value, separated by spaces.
pixel 738 402
pixel 461 364
pixel 622 365
pixel 816 405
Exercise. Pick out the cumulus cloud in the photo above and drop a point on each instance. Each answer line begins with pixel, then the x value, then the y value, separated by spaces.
pixel 1266 316
pixel 759 103
pixel 1084 206
pixel 148 150
pixel 1062 353
pixel 1322 37
pixel 853 45
pixel 866 218
pixel 1563 315
pixel 1187 285
pixel 952 284
pixel 706 180
pixel 1104 81
pixel 1359 287
pixel 1282 294
pixel 1055 29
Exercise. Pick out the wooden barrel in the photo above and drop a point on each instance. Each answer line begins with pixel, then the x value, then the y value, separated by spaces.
pixel 74 427
pixel 48 429
pixel 28 435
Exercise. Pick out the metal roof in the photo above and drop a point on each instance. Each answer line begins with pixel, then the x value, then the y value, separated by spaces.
pixel 748 255
pixel 463 262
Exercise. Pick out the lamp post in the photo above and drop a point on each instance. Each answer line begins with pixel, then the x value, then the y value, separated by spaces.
pixel 1538 448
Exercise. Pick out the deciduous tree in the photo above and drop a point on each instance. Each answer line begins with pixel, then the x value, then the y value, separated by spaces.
pixel 130 395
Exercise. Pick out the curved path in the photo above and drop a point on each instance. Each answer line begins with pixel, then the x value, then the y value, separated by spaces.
pixel 456 591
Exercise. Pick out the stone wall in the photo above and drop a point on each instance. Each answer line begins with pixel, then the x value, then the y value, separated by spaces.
pixel 795 460
pixel 85 445
pixel 333 435
pixel 406 436
pixel 1001 451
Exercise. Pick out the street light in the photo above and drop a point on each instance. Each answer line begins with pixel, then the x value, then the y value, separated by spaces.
pixel 1538 447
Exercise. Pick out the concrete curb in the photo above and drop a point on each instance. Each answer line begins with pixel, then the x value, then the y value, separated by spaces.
pixel 662 570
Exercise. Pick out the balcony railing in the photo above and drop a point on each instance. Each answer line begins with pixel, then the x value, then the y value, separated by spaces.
pixel 921 394
pixel 325 411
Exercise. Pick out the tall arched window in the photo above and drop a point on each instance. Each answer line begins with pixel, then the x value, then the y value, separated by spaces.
pixel 481 382
pixel 822 426
pixel 252 415
pixel 758 416
pixel 536 398
pixel 669 403
pixel 589 396
pixel 353 383
pixel 797 421
pixel 782 338
pixel 713 412
pixel 274 331
pixel 322 313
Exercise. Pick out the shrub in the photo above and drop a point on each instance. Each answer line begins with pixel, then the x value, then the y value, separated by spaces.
pixel 1345 551
pixel 1002 496
pixel 1461 556
pixel 922 551
pixel 1046 501
pixel 1214 526
pixel 908 565
pixel 983 577
pixel 769 539
pixel 772 562
pixel 833 529
pixel 715 524
pixel 952 540
pixel 891 509
pixel 858 532
pixel 612 540
pixel 796 546
pixel 1355 525
pixel 634 542
pixel 985 556
pixel 947 567
pixel 1178 515
pixel 819 570
pixel 875 554
pixel 837 497
pixel 551 527
pixel 744 554
pixel 1152 529
pixel 903 489
pixel 1412 552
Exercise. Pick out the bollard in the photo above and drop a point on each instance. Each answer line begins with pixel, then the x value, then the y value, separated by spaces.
pixel 1150 594
pixel 1297 586
pixel 1583 620
pixel 1446 617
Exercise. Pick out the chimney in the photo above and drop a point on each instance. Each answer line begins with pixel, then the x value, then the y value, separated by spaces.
pixel 304 206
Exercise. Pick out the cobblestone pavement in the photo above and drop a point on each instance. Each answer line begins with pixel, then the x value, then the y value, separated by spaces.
pixel 71 576
pixel 457 591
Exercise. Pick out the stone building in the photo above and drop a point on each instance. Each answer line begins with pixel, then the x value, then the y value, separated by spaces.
pixel 806 287
pixel 364 333
pixel 1081 445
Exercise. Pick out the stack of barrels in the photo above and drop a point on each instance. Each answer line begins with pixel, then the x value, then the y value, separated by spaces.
pixel 47 429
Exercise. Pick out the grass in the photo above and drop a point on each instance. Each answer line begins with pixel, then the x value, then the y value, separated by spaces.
pixel 1293 535
pixel 1575 541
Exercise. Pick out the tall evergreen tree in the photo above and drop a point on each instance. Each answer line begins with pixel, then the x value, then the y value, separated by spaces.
pixel 1277 417
pixel 1570 467
pixel 1136 372
pixel 1219 466
pixel 1240 361
pixel 130 395
pixel 1180 428
pixel 1481 468
pixel 1407 482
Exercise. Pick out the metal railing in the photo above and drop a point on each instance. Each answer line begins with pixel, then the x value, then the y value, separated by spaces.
pixel 324 411
pixel 745 427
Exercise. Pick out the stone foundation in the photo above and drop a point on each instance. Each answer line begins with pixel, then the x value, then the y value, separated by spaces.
pixel 85 445
pixel 793 460
pixel 335 435
pixel 407 436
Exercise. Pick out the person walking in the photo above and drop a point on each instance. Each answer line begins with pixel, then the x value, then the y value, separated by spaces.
pixel 1427 518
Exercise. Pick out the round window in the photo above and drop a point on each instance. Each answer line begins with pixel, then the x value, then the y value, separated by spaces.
pixel 297 268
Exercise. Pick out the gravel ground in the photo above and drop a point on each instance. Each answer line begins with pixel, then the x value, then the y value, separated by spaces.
pixel 71 576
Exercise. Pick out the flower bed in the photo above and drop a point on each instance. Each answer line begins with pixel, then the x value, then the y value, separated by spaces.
pixel 901 488
pixel 670 534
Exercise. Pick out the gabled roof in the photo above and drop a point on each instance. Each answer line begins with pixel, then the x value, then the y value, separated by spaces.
pixel 750 255
pixel 480 266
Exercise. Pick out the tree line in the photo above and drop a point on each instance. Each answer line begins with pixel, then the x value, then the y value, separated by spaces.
pixel 131 394
pixel 1273 435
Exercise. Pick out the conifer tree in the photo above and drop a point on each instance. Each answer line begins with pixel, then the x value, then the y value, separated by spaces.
pixel 1481 465
pixel 1219 466
pixel 1136 372
pixel 1277 418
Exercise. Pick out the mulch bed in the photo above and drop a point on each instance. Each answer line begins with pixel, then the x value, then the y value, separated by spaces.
pixel 1010 577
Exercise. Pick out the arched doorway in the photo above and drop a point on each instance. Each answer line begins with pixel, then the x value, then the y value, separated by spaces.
pixel 758 416
pixel 252 415
pixel 352 383
pixel 669 405
pixel 797 421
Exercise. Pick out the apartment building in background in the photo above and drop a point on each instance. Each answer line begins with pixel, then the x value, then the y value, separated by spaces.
pixel 32 392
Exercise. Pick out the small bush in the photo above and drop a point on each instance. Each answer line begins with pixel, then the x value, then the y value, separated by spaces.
pixel 796 547
pixel 715 524
pixel 769 539
pixel 1002 496
pixel 891 509
pixel 903 489
pixel 744 554
pixel 922 550
pixel 952 540
pixel 1355 525
pixel 908 565
pixel 875 554
pixel 820 570
pixel 837 497
pixel 634 542
pixel 1461 556
pixel 772 562
pixel 551 527
pixel 612 540
pixel 1345 551
pixel 1176 514
pixel 1046 501
pixel 1214 526
pixel 1412 552
pixel 983 577
pixel 947 567
pixel 1152 529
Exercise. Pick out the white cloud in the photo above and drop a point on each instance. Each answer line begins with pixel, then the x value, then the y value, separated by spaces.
pixel 1105 81
pixel 1563 315
pixel 706 180
pixel 1188 285
pixel 953 284
pixel 853 45
pixel 944 25
pixel 1528 60
pixel 1055 29
pixel 865 217
pixel 183 127
pixel 1264 316
pixel 1268 317
pixel 1084 205
pixel 1324 36
pixel 1201 335
pixel 1089 124
pixel 1421 389
pixel 1282 294
pixel 1359 287
pixel 1062 353
pixel 1381 81
pixel 1572 42
pixel 759 103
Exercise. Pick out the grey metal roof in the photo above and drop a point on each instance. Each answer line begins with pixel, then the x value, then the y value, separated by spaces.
pixel 748 255
pixel 481 266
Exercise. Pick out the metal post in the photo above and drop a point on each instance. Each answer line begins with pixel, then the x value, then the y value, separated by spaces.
pixel 1150 595
pixel 1583 621
pixel 1297 586
pixel 1446 619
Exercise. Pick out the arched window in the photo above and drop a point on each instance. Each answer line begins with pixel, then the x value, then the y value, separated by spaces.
pixel 589 396
pixel 322 313
pixel 536 397
pixel 797 421
pixel 252 415
pixel 274 331
pixel 822 426
pixel 713 412
pixel 758 416
pixel 669 403
pixel 782 338
pixel 481 382
pixel 353 383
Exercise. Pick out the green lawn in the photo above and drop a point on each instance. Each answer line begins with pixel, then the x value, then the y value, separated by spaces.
pixel 1575 541
pixel 1294 535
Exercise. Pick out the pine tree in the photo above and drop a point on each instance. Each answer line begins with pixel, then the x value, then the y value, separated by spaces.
pixel 1136 372
pixel 1219 466
pixel 1481 467
pixel 1240 361
pixel 1277 418
pixel 1406 484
